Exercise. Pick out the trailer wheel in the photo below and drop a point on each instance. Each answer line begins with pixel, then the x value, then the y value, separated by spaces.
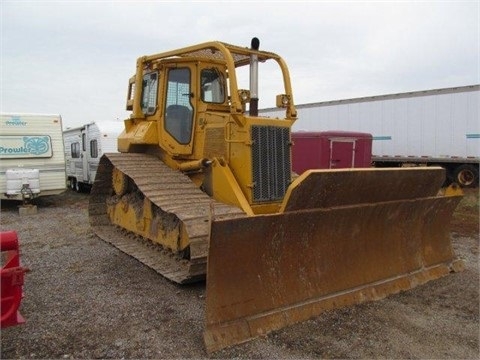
pixel 466 176
pixel 78 186
pixel 72 183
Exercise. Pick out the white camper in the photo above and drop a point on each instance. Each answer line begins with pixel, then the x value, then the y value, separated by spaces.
pixel 84 146
pixel 32 158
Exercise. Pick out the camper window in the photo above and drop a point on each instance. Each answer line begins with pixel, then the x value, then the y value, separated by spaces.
pixel 93 149
pixel 75 150
pixel 84 140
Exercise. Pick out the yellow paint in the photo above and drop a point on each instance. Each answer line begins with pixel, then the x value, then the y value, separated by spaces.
pixel 453 190
pixel 226 188
pixel 136 215
pixel 221 135
pixel 144 132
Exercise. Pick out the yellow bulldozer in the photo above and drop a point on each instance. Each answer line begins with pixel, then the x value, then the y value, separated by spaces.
pixel 202 188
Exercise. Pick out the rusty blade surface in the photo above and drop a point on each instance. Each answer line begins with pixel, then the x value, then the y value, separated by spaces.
pixel 336 187
pixel 267 272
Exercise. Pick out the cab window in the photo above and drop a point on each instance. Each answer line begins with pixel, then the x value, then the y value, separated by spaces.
pixel 149 93
pixel 212 86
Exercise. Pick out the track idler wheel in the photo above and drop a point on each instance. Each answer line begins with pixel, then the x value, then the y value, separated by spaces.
pixel 119 182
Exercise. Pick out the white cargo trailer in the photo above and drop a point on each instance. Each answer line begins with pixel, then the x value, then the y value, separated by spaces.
pixel 424 128
pixel 32 158
pixel 84 146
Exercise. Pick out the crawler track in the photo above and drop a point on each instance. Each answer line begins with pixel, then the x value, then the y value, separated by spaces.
pixel 172 192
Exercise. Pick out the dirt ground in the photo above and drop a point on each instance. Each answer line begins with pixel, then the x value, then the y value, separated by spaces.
pixel 85 299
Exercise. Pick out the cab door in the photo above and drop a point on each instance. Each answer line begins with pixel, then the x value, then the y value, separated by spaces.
pixel 342 153
pixel 178 110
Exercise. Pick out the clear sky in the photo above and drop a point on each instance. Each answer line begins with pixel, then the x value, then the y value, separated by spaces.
pixel 75 57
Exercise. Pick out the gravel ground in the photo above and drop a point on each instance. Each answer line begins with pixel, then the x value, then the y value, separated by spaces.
pixel 85 299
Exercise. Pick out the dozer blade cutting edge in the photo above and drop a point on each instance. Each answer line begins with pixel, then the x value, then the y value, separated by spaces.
pixel 344 237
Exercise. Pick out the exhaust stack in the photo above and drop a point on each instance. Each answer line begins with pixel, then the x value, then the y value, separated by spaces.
pixel 255 44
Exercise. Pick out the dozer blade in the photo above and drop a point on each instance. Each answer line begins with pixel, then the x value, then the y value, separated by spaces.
pixel 267 272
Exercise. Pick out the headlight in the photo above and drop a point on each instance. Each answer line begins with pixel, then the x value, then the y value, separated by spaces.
pixel 244 96
pixel 283 100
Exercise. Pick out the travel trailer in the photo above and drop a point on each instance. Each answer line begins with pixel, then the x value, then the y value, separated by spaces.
pixel 84 146
pixel 32 158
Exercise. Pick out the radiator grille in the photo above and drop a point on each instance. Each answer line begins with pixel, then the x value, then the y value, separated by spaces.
pixel 271 162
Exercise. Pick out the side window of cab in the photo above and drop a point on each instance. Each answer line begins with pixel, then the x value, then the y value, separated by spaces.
pixel 149 93
pixel 212 84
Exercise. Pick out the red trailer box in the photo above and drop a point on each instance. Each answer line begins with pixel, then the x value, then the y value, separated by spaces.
pixel 330 150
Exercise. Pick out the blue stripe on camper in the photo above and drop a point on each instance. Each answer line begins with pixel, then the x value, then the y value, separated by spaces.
pixel 473 136
pixel 382 138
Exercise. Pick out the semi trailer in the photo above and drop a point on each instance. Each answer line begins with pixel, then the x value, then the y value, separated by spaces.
pixel 438 127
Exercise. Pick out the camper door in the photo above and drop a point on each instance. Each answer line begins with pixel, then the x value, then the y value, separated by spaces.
pixel 85 170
